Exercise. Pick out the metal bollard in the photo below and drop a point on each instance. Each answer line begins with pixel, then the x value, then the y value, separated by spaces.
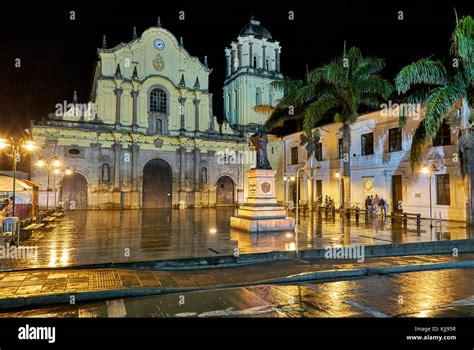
pixel 418 222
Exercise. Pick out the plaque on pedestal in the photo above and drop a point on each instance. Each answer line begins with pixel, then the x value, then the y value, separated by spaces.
pixel 261 212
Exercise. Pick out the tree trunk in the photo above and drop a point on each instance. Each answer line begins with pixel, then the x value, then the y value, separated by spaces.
pixel 467 168
pixel 467 163
pixel 346 144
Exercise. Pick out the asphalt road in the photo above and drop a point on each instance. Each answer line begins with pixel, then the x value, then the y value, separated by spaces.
pixel 441 293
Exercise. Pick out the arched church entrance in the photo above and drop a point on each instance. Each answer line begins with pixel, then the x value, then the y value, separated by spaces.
pixel 225 191
pixel 157 184
pixel 73 192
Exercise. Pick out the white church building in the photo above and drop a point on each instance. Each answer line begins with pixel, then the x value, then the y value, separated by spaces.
pixel 152 139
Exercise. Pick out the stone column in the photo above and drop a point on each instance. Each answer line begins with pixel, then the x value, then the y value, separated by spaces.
pixel 234 56
pixel 227 63
pixel 96 194
pixel 116 197
pixel 182 174
pixel 118 104
pixel 264 48
pixel 197 180
pixel 135 202
pixel 277 60
pixel 182 167
pixel 250 54
pixel 135 110
pixel 241 55
pixel 196 114
pixel 182 101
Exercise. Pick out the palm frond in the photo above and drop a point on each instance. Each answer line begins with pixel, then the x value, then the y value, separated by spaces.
pixel 462 43
pixel 278 117
pixel 317 110
pixel 424 71
pixel 264 109
pixel 369 66
pixel 374 85
pixel 417 146
pixel 438 104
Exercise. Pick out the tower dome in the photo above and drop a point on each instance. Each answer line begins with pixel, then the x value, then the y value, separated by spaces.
pixel 254 28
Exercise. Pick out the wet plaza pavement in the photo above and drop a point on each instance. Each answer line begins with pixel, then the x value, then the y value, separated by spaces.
pixel 94 237
pixel 442 293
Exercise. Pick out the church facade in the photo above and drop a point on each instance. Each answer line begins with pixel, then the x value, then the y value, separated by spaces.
pixel 148 137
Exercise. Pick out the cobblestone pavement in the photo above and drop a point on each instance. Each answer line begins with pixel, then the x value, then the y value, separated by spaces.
pixel 441 293
pixel 92 237
pixel 53 281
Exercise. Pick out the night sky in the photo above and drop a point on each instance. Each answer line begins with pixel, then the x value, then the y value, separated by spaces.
pixel 57 54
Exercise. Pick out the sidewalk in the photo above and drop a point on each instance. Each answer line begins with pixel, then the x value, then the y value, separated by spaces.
pixel 28 288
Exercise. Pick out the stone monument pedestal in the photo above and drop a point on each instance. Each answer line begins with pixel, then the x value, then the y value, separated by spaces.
pixel 261 212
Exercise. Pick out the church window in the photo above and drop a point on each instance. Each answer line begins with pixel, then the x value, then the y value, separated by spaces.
pixel 258 97
pixel 74 151
pixel 267 64
pixel 158 100
pixel 254 62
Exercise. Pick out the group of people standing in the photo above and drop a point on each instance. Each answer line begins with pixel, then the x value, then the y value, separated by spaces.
pixel 374 204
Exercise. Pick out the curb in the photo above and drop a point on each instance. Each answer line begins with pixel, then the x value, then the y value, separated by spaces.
pixel 219 261
pixel 65 298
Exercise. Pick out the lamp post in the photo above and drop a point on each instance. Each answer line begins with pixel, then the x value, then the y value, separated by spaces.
pixel 430 170
pixel 14 148
pixel 52 164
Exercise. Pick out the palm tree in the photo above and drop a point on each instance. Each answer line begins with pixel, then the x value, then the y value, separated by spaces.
pixel 447 94
pixel 339 89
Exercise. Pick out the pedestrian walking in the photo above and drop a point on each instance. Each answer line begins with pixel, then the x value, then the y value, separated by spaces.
pixel 382 207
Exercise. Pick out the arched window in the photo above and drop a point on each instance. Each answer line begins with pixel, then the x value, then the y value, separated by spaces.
pixel 267 64
pixel 158 100
pixel 258 97
pixel 254 62
pixel 271 97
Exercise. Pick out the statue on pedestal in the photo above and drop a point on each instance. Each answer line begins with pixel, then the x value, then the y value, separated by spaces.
pixel 260 141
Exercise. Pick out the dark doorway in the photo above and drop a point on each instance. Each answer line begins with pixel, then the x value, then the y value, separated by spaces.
pixel 397 196
pixel 157 184
pixel 225 191
pixel 319 191
pixel 74 192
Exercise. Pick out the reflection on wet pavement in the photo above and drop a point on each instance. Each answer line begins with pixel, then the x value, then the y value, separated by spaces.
pixel 442 293
pixel 90 237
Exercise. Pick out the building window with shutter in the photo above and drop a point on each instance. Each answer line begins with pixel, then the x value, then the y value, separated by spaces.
pixel 367 144
pixel 394 140
pixel 443 192
pixel 294 155
pixel 443 137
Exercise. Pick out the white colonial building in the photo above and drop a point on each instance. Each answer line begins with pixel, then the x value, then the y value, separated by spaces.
pixel 379 157
pixel 151 139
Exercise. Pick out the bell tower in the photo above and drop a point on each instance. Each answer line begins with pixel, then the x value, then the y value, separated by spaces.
pixel 252 63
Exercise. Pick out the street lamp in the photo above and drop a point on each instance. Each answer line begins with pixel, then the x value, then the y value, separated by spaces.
pixel 430 170
pixel 14 148
pixel 52 165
